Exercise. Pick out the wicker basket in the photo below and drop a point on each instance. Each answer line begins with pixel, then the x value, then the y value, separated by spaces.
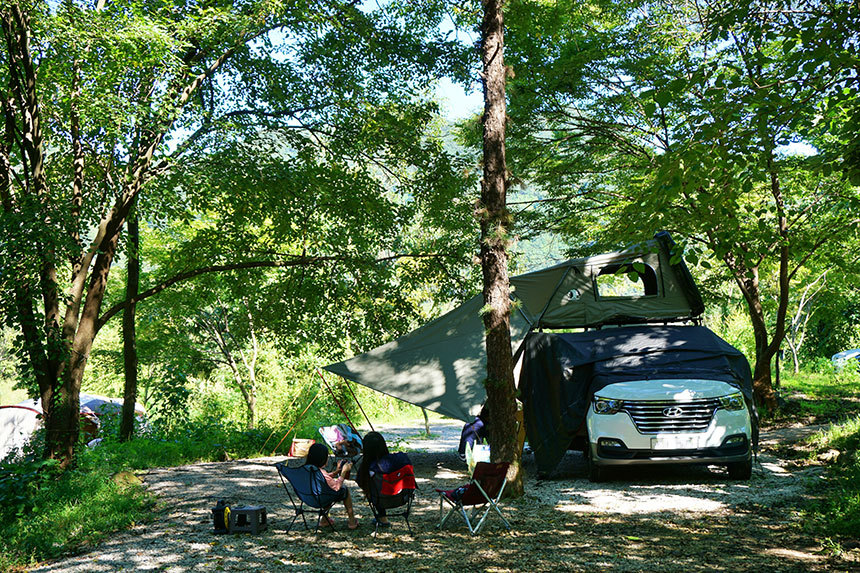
pixel 300 447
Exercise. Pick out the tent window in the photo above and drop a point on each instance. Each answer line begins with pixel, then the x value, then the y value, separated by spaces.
pixel 571 295
pixel 627 280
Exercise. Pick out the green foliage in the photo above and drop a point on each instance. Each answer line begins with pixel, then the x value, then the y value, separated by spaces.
pixel 20 482
pixel 169 399
pixel 629 118
pixel 819 397
pixel 731 322
pixel 294 144
pixel 839 517
pixel 45 513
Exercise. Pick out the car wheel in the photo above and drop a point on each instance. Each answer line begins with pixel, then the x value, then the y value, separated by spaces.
pixel 740 470
pixel 596 474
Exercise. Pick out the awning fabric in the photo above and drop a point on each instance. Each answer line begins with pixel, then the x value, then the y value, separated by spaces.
pixel 441 366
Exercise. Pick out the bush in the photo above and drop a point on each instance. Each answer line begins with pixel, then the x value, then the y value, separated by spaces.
pixel 819 365
pixel 45 513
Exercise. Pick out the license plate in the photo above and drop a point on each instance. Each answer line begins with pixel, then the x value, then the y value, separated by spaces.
pixel 675 443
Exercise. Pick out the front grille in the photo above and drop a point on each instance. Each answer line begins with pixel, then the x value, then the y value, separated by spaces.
pixel 653 417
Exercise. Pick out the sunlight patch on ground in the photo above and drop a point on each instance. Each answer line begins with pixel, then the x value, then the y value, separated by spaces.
pixel 444 473
pixel 618 502
pixel 775 469
pixel 791 554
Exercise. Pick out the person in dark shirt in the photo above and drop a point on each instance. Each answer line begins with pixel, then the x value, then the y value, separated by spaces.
pixel 376 458
pixel 318 457
pixel 475 432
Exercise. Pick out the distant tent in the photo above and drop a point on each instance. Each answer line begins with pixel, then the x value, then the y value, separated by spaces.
pixel 17 424
pixel 19 421
pixel 441 366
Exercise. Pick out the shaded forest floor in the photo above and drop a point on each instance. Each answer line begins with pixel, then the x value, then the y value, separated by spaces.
pixel 668 519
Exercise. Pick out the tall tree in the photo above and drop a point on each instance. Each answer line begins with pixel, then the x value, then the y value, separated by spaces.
pixel 129 329
pixel 100 103
pixel 495 222
pixel 674 115
pixel 224 342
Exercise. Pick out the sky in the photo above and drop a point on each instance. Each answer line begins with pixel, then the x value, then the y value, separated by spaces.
pixel 457 104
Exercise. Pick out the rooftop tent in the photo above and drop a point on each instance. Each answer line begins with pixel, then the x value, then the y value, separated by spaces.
pixel 441 366
pixel 561 372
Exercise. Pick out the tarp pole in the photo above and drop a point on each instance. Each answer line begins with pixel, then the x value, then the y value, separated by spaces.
pixel 334 397
pixel 348 387
pixel 317 395
pixel 293 403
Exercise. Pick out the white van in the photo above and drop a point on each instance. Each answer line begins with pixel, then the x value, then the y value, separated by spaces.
pixel 669 422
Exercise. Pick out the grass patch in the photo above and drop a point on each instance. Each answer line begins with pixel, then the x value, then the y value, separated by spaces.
pixel 819 397
pixel 423 436
pixel 45 513
pixel 839 516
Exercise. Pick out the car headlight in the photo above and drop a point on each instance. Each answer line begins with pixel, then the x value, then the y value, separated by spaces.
pixel 607 406
pixel 734 401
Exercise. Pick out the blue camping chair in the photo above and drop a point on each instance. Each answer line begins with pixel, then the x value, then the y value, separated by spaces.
pixel 313 495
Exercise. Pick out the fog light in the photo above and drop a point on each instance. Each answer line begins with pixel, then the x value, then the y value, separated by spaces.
pixel 737 440
pixel 610 443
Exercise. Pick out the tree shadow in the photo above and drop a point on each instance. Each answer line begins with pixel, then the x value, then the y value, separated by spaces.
pixel 670 519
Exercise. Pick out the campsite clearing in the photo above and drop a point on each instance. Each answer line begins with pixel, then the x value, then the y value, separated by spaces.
pixel 687 519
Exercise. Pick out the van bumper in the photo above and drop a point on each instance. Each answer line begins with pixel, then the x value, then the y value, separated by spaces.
pixel 603 455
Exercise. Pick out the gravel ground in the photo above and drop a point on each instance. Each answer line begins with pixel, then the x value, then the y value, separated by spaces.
pixel 666 519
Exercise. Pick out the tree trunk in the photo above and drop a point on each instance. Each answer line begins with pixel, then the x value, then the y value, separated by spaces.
pixel 747 279
pixel 62 427
pixel 426 422
pixel 795 361
pixel 494 218
pixel 762 379
pixel 129 335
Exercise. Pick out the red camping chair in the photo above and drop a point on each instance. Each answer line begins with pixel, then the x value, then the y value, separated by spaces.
pixel 393 489
pixel 481 493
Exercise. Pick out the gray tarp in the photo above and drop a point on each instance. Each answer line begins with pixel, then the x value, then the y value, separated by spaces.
pixel 561 372
pixel 441 366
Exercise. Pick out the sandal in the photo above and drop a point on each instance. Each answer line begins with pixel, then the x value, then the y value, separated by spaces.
pixel 353 525
pixel 327 522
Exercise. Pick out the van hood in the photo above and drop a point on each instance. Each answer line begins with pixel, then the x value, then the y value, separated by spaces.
pixel 680 390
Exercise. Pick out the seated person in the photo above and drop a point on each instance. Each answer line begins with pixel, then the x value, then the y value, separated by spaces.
pixel 376 458
pixel 318 456
pixel 350 442
pixel 342 439
pixel 475 432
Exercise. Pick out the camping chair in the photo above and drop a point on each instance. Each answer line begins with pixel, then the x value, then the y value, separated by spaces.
pixel 482 492
pixel 343 441
pixel 393 489
pixel 311 490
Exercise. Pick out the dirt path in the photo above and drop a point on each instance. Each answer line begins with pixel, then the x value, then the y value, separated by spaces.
pixel 691 519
